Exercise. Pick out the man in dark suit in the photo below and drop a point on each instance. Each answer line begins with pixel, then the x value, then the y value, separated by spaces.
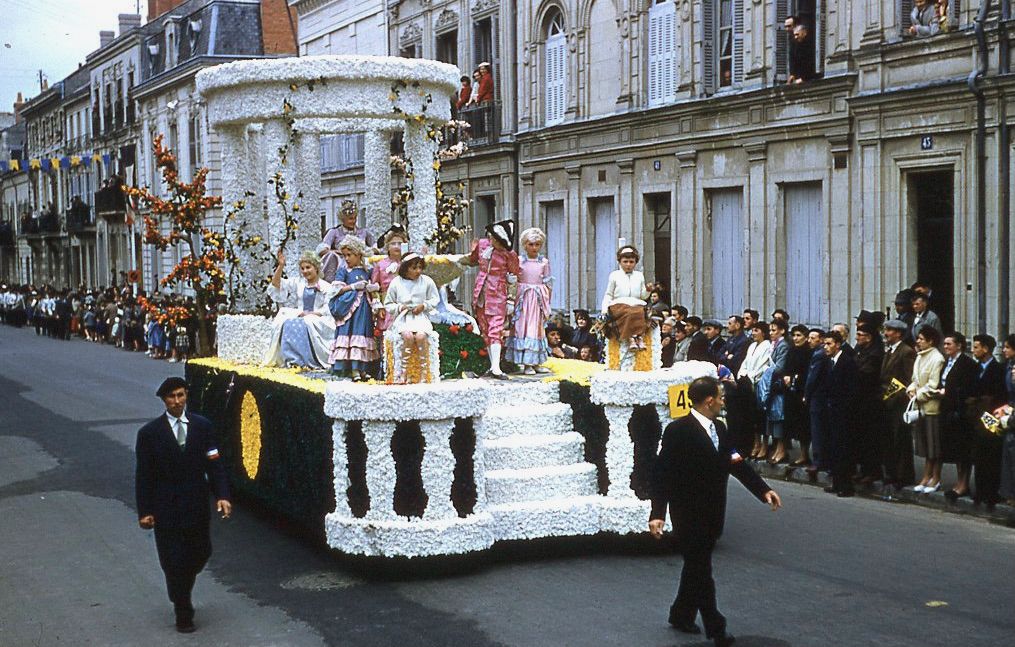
pixel 178 466
pixel 716 345
pixel 736 344
pixel 698 350
pixel 690 475
pixel 896 439
pixel 988 392
pixel 869 358
pixel 841 389
pixel 815 400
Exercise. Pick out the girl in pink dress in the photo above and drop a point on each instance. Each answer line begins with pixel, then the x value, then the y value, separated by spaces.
pixel 386 269
pixel 527 346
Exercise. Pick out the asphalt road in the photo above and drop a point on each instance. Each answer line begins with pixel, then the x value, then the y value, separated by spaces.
pixel 75 568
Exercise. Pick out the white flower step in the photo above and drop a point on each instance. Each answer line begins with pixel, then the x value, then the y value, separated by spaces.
pixel 527 419
pixel 514 393
pixel 521 452
pixel 569 517
pixel 540 483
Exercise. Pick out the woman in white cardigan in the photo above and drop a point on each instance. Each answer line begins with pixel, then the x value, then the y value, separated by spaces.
pixel 924 391
pixel 759 356
pixel 302 331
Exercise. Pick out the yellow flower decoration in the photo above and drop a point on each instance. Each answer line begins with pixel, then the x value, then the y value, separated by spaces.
pixel 571 370
pixel 250 435
pixel 287 376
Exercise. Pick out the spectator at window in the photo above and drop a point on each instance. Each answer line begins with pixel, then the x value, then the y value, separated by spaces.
pixel 465 93
pixel 485 91
pixel 944 23
pixel 474 96
pixel 801 51
pixel 923 20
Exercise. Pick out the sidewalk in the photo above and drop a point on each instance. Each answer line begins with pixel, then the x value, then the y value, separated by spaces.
pixel 1001 514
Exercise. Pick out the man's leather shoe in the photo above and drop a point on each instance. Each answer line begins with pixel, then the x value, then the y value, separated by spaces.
pixel 687 628
pixel 844 494
pixel 185 626
pixel 831 490
pixel 724 640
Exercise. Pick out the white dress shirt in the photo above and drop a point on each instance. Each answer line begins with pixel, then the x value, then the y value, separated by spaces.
pixel 709 427
pixel 176 424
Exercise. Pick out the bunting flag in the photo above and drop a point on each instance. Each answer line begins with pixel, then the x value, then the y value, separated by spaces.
pixel 107 158
pixel 54 163
pixel 96 157
pixel 47 164
pixel 65 162
pixel 3 166
pixel 15 165
pixel 35 164
pixel 75 160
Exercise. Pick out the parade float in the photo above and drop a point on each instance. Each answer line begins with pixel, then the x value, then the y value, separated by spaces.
pixel 448 466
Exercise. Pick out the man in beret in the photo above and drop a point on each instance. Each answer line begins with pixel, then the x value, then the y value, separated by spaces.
pixel 178 466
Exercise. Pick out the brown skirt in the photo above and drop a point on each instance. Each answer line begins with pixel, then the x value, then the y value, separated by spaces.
pixel 629 320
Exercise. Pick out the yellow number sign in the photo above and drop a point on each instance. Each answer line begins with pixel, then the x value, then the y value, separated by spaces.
pixel 680 404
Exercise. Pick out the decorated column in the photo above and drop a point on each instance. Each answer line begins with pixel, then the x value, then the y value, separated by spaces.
pixel 235 179
pixel 377 171
pixel 276 137
pixel 421 151
pixel 307 171
pixel 380 469
pixel 437 478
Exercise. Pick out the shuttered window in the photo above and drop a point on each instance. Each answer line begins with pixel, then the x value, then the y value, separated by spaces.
pixel 722 55
pixel 556 73
pixel 662 54
pixel 782 37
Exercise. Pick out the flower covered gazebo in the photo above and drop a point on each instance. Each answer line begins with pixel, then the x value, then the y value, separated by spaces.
pixel 270 115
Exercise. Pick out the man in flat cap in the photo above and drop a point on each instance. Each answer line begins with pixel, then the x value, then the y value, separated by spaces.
pixel 178 466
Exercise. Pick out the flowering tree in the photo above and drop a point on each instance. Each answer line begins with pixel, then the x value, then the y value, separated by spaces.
pixel 182 212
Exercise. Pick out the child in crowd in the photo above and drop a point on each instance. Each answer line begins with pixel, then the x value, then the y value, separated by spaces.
pixel 410 297
pixel 90 322
pixel 625 299
pixel 527 346
pixel 354 348
pixel 496 260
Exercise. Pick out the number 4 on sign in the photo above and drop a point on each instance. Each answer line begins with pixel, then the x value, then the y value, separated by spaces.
pixel 680 403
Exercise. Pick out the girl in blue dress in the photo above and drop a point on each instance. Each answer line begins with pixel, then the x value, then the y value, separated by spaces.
pixel 354 349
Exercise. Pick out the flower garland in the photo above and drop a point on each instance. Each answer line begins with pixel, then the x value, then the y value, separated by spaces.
pixel 288 376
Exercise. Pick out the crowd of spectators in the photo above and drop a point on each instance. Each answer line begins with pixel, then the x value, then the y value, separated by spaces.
pixel 114 316
pixel 861 406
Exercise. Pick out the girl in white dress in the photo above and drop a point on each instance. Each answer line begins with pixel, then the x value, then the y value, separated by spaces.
pixel 410 298
pixel 625 298
pixel 303 328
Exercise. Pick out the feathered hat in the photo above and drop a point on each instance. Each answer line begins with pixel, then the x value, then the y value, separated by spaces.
pixel 394 230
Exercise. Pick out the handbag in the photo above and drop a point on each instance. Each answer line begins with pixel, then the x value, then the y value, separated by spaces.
pixel 912 413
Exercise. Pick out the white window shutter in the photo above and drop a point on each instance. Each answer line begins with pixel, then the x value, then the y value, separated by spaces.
pixel 781 41
pixel 556 78
pixel 662 54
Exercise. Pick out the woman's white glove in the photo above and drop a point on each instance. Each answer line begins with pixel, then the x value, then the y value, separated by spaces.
pixel 373 287
pixel 359 286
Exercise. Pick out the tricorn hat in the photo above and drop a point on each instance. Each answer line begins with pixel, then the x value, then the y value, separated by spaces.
pixel 395 229
pixel 504 231
pixel 872 319
pixel 169 385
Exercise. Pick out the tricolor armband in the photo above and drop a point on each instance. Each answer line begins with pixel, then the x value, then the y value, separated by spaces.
pixel 213 454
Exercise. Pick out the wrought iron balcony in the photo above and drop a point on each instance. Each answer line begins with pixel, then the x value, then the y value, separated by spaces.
pixel 484 124
pixel 110 200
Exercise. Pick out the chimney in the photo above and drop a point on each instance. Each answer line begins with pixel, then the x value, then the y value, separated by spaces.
pixel 128 22
pixel 17 107
pixel 106 37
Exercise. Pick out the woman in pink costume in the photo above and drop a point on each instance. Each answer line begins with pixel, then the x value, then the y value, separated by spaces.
pixel 527 346
pixel 496 260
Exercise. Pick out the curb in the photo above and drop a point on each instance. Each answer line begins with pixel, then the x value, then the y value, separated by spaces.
pixel 1001 514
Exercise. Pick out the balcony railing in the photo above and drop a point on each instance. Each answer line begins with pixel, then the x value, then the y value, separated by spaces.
pixel 110 200
pixel 79 218
pixel 484 124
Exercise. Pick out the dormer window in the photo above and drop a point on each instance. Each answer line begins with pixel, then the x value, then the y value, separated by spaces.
pixel 153 50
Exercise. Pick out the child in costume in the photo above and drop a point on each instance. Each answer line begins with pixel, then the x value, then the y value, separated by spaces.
pixel 354 348
pixel 410 297
pixel 329 249
pixel 625 299
pixel 527 346
pixel 302 330
pixel 386 269
pixel 496 260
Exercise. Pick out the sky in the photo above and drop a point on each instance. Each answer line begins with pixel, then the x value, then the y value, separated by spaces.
pixel 51 35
